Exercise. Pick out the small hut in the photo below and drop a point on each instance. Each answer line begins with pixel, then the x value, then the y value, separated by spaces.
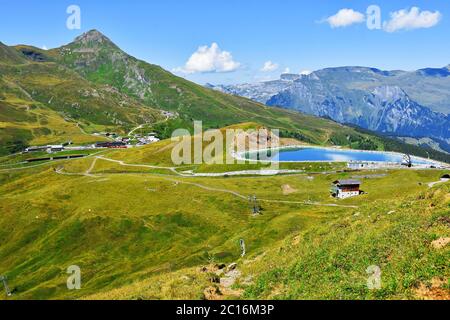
pixel 345 188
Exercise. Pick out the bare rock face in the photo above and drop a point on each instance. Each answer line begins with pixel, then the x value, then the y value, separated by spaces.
pixel 92 37
pixel 232 266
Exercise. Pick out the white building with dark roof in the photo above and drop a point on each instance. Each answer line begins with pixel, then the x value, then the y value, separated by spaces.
pixel 343 189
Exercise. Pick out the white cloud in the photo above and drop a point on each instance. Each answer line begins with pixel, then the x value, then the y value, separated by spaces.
pixel 44 47
pixel 269 66
pixel 412 19
pixel 286 70
pixel 209 59
pixel 345 17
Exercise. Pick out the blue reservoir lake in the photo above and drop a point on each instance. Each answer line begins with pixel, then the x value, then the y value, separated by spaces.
pixel 309 154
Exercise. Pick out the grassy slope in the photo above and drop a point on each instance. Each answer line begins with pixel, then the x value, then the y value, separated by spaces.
pixel 330 261
pixel 141 238
pixel 42 102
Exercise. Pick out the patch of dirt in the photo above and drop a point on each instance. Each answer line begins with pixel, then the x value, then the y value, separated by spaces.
pixel 287 189
pixel 296 240
pixel 440 243
pixel 222 282
pixel 291 142
pixel 433 292
pixel 228 281
pixel 230 278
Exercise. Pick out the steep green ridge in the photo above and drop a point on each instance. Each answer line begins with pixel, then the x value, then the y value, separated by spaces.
pixel 9 55
pixel 44 102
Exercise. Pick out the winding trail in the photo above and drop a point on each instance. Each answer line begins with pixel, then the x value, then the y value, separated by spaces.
pixel 137 128
pixel 122 163
pixel 88 173
pixel 432 184
pixel 202 186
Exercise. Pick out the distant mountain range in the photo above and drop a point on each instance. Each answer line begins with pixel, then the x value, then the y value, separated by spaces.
pixel 399 103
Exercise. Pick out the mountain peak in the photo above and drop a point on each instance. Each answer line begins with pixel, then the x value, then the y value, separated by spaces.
pixel 93 37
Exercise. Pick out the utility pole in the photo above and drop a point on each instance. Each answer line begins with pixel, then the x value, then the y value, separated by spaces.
pixel 242 244
pixel 407 160
pixel 254 204
pixel 5 284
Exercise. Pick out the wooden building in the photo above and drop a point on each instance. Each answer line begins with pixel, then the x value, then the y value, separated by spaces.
pixel 345 188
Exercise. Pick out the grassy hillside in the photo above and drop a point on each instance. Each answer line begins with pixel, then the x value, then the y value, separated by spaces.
pixel 9 55
pixel 400 235
pixel 142 239
pixel 43 102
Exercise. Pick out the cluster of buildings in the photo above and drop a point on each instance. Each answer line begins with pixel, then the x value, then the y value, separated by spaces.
pixel 138 139
pixel 48 148
pixel 111 144
pixel 117 142
pixel 150 138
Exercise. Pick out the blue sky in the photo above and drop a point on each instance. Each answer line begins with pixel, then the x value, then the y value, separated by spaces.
pixel 291 34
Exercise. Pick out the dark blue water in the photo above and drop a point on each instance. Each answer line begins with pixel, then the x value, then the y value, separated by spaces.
pixel 325 154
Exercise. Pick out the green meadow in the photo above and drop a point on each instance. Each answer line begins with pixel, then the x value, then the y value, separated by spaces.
pixel 143 231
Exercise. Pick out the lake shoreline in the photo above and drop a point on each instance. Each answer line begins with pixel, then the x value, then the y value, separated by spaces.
pixel 428 162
